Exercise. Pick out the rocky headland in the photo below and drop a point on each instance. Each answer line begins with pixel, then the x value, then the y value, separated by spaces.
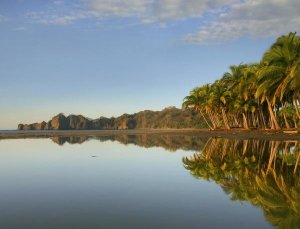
pixel 170 117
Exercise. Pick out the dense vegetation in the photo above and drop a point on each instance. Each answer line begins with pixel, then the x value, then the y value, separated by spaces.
pixel 263 95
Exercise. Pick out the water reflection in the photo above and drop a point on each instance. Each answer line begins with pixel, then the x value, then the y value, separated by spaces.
pixel 167 141
pixel 70 140
pixel 264 173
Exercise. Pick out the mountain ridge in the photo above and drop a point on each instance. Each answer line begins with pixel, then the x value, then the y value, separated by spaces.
pixel 170 117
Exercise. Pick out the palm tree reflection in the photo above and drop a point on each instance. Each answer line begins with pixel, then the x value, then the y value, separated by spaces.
pixel 264 173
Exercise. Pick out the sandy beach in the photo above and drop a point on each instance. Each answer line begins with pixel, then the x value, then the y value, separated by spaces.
pixel 232 134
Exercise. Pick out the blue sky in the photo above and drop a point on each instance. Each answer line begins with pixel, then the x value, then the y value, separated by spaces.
pixel 105 58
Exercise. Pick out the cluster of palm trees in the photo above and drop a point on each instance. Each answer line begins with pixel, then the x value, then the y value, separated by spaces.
pixel 265 95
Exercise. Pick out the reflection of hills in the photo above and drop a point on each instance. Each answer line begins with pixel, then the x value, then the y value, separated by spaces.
pixel 70 140
pixel 169 142
pixel 264 173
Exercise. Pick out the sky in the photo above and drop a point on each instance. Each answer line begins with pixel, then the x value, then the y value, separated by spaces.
pixel 109 57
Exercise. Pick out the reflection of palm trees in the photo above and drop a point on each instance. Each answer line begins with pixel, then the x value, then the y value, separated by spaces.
pixel 260 172
pixel 280 199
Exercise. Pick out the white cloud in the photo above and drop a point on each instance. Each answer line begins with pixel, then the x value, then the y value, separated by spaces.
pixel 146 11
pixel 58 17
pixel 231 19
pixel 252 18
pixel 150 11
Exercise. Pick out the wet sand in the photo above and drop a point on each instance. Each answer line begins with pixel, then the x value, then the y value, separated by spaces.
pixel 234 133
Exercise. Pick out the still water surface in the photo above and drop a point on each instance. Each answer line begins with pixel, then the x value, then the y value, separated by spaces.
pixel 156 181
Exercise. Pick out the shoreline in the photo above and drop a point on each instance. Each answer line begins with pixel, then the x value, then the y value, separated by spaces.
pixel 232 134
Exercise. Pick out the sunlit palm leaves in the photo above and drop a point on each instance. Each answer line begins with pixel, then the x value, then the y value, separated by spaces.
pixel 255 95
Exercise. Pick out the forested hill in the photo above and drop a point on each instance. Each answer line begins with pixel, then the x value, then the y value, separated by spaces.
pixel 170 117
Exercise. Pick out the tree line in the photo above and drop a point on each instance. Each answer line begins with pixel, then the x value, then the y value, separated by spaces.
pixel 263 95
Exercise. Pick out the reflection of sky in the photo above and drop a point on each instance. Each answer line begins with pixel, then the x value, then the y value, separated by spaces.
pixel 46 184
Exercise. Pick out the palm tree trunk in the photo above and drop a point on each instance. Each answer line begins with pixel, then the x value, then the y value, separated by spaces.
pixel 253 118
pixel 264 124
pixel 295 103
pixel 212 119
pixel 218 121
pixel 257 120
pixel 296 165
pixel 215 119
pixel 286 122
pixel 271 123
pixel 272 116
pixel 246 126
pixel 296 108
pixel 295 122
pixel 225 119
pixel 296 151
pixel 209 126
pixel 236 122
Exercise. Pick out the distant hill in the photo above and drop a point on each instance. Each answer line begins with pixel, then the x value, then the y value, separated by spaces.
pixel 170 117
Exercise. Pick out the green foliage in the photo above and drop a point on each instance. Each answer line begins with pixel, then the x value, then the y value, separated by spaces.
pixel 263 95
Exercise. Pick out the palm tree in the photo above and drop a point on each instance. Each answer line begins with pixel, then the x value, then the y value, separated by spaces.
pixel 279 74
pixel 196 100
pixel 220 98
pixel 255 95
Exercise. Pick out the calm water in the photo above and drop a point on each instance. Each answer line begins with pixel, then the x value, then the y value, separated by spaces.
pixel 155 181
